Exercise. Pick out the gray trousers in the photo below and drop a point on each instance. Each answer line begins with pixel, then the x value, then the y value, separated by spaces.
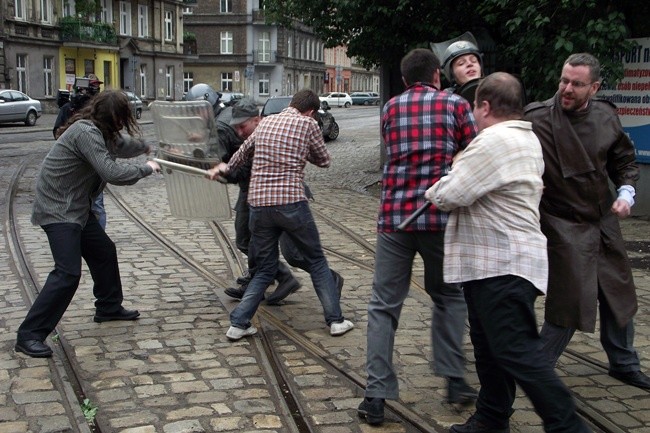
pixel 393 261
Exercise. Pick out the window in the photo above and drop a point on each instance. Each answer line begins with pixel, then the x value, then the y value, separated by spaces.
pixel 290 47
pixel 21 10
pixel 264 47
pixel 169 25
pixel 226 43
pixel 108 80
pixel 143 21
pixel 188 11
pixel 226 81
pixel 48 79
pixel 226 6
pixel 46 11
pixel 169 79
pixel 125 19
pixel 67 8
pixel 21 72
pixel 143 81
pixel 263 84
pixel 188 81
pixel 106 13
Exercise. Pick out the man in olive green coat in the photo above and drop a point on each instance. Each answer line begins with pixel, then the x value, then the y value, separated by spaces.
pixel 584 148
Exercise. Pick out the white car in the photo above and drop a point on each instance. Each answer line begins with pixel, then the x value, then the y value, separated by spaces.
pixel 335 99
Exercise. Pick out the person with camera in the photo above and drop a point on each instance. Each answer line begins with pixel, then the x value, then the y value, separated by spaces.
pixel 83 91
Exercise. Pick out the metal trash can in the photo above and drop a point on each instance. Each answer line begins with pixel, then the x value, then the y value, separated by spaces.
pixel 186 131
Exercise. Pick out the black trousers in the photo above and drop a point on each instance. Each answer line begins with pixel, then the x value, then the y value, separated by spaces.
pixel 69 243
pixel 509 351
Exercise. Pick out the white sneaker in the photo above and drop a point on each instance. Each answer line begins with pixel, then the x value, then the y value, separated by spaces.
pixel 341 328
pixel 235 333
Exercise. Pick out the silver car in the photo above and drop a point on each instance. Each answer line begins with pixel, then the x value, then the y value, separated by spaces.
pixel 15 106
pixel 135 102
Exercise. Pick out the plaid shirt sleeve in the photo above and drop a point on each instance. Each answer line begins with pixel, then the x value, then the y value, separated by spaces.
pixel 318 153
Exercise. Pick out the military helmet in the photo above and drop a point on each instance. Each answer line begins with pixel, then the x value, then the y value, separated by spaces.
pixel 202 91
pixel 455 50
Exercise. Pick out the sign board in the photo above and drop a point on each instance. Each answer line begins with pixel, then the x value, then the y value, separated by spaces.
pixel 632 97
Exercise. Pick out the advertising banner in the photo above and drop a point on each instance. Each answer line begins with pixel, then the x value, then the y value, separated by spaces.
pixel 632 97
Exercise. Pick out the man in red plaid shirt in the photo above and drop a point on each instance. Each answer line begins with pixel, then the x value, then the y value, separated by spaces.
pixel 423 129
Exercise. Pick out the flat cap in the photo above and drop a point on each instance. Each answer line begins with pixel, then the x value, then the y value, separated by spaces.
pixel 243 110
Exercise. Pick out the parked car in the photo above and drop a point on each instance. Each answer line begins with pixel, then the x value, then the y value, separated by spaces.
pixel 335 99
pixel 229 98
pixel 15 106
pixel 364 98
pixel 325 119
pixel 135 102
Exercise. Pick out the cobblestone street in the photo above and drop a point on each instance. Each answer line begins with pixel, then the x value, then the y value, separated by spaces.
pixel 174 371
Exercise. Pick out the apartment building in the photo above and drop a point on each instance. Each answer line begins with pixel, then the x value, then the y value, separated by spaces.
pixel 236 50
pixel 345 74
pixel 160 48
pixel 129 44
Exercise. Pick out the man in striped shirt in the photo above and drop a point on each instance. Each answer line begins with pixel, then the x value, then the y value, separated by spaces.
pixel 494 246
pixel 282 145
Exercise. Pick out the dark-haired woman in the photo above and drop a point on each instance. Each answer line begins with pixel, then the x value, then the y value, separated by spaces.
pixel 75 170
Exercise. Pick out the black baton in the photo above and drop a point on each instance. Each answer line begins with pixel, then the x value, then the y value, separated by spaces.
pixel 413 217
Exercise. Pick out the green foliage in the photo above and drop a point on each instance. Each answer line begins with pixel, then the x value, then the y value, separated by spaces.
pixel 89 410
pixel 189 36
pixel 539 35
pixel 532 37
pixel 375 32
pixel 79 29
pixel 87 8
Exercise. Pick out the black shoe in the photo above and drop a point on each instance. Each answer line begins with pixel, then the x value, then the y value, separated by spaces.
pixel 338 279
pixel 372 409
pixel 459 392
pixel 33 348
pixel 244 279
pixel 633 378
pixel 121 314
pixel 236 292
pixel 284 289
pixel 474 426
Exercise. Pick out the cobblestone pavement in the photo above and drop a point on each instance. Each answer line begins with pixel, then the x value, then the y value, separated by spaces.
pixel 174 371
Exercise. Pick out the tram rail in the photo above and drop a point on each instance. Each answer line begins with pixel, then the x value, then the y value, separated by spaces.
pixel 273 328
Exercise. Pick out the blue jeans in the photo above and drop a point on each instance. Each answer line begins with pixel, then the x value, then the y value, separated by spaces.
pixel 508 351
pixel 393 262
pixel 267 223
pixel 99 210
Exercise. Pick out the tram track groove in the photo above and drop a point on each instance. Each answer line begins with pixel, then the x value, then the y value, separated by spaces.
pixel 220 231
pixel 262 345
pixel 591 415
pixel 404 414
pixel 64 374
pixel 588 413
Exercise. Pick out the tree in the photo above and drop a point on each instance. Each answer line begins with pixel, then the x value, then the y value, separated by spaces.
pixel 533 37
pixel 540 35
pixel 376 32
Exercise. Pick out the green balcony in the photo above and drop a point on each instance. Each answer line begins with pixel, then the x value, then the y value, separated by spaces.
pixel 78 30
